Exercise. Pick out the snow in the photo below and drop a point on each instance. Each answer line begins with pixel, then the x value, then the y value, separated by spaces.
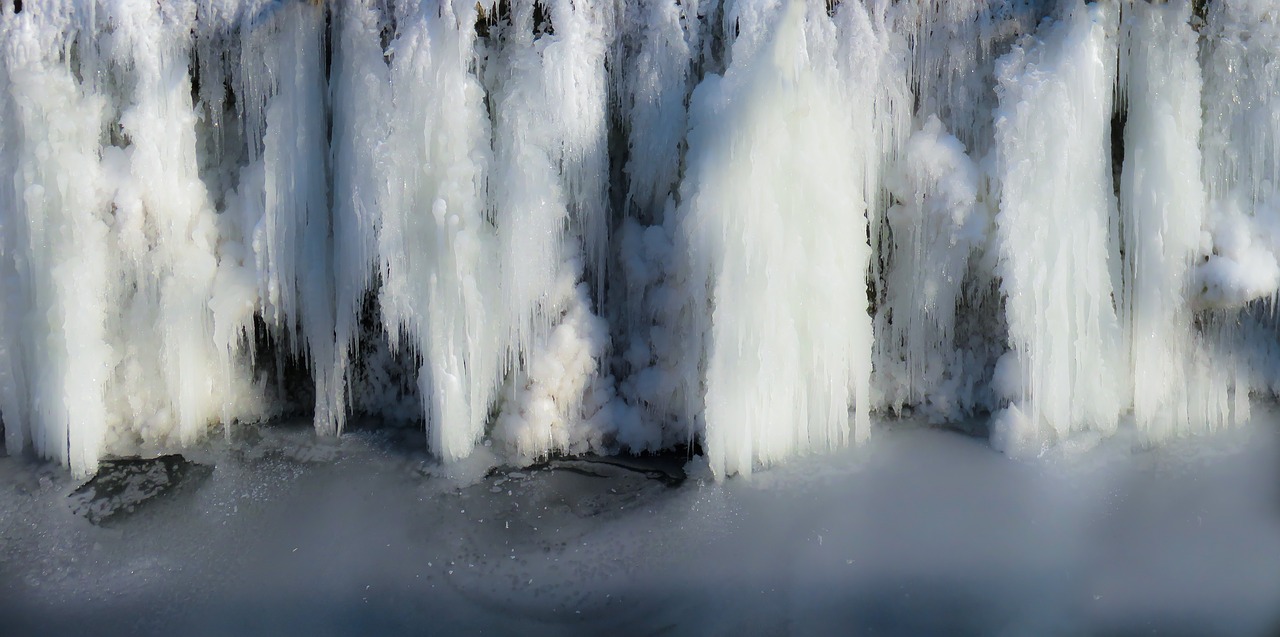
pixel 924 531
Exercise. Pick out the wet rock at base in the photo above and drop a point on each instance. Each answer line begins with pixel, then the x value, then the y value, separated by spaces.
pixel 602 485
pixel 660 468
pixel 586 486
pixel 120 486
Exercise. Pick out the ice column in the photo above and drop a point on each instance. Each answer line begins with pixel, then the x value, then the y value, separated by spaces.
pixel 438 251
pixel 1058 260
pixel 173 381
pixel 550 94
pixel 1177 385
pixel 57 259
pixel 773 231
pixel 282 96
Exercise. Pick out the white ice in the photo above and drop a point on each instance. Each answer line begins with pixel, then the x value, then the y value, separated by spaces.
pixel 564 226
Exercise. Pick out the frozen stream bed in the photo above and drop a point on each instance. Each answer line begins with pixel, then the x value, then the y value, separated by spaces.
pixel 923 531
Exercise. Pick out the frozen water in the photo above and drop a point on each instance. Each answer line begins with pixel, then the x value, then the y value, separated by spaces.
pixel 924 532
pixel 1178 383
pixel 771 234
pixel 542 227
pixel 602 255
pixel 1058 255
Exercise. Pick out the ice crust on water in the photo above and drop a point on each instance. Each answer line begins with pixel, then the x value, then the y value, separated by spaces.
pixel 625 226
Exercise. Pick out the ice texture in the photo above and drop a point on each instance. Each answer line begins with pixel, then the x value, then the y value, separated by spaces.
pixel 555 227
pixel 772 229
pixel 1058 252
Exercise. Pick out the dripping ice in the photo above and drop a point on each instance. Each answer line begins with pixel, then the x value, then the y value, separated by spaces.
pixel 568 227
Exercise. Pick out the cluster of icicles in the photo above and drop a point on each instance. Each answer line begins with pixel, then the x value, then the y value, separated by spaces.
pixel 608 226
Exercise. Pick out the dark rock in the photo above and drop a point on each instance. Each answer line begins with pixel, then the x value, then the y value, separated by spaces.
pixel 663 469
pixel 667 469
pixel 585 486
pixel 120 486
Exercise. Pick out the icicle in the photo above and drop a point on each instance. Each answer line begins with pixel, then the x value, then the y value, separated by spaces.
pixel 58 261
pixel 359 77
pixel 938 225
pixel 773 231
pixel 1163 201
pixel 548 194
pixel 437 250
pixel 576 102
pixel 282 83
pixel 658 86
pixel 1242 102
pixel 954 47
pixel 1054 230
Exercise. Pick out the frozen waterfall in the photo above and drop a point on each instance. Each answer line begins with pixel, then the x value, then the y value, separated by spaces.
pixel 612 226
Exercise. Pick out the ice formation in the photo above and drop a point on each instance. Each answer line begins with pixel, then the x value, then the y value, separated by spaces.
pixel 563 226
pixel 1177 382
pixel 1058 251
pixel 772 230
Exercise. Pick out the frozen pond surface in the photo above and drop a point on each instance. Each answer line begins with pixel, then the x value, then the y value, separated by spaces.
pixel 923 531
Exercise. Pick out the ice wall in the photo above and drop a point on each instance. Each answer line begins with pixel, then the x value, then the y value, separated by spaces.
pixel 772 232
pixel 1055 230
pixel 1179 383
pixel 57 254
pixel 934 252
pixel 1241 145
pixel 602 226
